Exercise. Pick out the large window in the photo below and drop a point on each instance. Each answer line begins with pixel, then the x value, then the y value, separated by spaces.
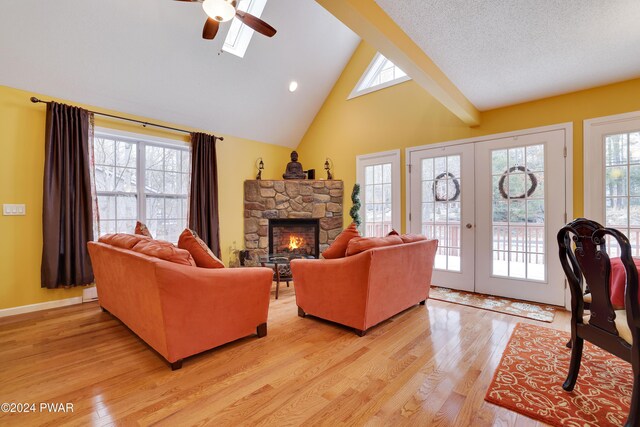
pixel 379 178
pixel 141 179
pixel 612 175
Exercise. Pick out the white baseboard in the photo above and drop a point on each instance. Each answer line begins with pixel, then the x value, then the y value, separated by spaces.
pixel 40 306
pixel 90 294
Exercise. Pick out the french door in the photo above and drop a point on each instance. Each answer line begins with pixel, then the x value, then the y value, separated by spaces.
pixel 442 207
pixel 489 205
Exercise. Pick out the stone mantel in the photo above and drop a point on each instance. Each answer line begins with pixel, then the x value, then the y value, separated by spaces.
pixel 295 198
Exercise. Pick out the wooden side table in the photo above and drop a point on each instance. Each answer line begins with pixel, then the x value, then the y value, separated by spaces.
pixel 278 264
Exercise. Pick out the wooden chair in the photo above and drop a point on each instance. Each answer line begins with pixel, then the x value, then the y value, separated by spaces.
pixel 616 331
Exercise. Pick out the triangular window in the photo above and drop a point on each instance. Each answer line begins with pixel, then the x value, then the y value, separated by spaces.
pixel 381 73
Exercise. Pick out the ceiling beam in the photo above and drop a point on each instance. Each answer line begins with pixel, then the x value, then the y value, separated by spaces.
pixel 371 23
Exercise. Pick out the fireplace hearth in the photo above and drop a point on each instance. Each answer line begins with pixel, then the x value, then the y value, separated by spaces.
pixel 294 237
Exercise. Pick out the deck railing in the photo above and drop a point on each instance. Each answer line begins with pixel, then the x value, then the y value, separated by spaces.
pixel 525 237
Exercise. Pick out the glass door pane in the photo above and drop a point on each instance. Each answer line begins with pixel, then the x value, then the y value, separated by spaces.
pixel 518 212
pixel 441 198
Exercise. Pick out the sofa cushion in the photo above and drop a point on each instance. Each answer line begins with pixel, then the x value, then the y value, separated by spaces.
pixel 164 250
pixel 410 238
pixel 121 240
pixel 361 244
pixel 142 230
pixel 198 249
pixel 338 248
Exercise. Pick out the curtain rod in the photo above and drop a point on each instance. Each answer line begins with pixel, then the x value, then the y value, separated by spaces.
pixel 144 124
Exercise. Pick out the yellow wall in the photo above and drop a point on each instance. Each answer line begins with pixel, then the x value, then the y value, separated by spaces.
pixel 21 172
pixel 406 116
pixel 398 117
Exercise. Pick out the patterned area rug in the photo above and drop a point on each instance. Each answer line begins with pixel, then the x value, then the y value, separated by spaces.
pixel 529 310
pixel 534 366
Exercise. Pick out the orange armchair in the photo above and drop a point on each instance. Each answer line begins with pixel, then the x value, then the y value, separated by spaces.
pixel 363 290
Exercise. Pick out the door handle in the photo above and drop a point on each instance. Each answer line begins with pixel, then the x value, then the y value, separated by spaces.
pixel 469 225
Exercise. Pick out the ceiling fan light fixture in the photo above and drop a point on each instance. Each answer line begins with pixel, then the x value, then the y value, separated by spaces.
pixel 219 10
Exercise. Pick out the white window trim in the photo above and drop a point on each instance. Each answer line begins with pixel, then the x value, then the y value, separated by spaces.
pixel 141 142
pixel 392 157
pixel 356 93
pixel 139 137
pixel 594 130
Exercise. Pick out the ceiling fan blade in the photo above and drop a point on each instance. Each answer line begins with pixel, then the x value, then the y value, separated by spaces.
pixel 210 29
pixel 255 23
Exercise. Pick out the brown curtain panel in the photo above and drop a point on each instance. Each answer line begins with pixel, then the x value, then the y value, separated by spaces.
pixel 203 203
pixel 67 216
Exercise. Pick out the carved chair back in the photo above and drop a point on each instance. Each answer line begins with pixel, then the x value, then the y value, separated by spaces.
pixel 583 254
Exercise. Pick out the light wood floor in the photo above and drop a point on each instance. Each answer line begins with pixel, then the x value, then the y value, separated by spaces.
pixel 427 366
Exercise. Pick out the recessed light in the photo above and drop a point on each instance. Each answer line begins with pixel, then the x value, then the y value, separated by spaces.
pixel 293 86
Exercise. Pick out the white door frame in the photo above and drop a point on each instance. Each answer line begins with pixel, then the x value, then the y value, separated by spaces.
pixel 567 127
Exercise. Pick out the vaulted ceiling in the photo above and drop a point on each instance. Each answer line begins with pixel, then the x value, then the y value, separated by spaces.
pixel 147 57
pixel 503 52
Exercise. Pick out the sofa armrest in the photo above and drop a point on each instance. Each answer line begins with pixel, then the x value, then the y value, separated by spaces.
pixel 333 289
pixel 203 308
pixel 400 278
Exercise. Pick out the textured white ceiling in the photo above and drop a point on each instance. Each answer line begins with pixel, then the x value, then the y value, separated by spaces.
pixel 502 52
pixel 147 57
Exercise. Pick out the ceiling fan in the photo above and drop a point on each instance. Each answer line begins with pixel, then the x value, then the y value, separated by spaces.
pixel 224 10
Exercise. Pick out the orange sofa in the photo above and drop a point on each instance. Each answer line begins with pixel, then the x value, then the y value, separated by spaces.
pixel 180 310
pixel 365 289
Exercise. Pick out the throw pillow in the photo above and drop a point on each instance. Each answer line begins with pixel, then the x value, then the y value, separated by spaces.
pixel 142 230
pixel 121 240
pixel 410 238
pixel 393 232
pixel 164 250
pixel 338 248
pixel 199 250
pixel 361 244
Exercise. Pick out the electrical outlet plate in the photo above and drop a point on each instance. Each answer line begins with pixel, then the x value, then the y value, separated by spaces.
pixel 14 209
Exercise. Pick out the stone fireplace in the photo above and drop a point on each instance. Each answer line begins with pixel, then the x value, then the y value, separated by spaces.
pixel 294 237
pixel 265 200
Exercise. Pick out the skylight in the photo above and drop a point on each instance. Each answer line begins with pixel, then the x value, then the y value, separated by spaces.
pixel 239 35
pixel 381 73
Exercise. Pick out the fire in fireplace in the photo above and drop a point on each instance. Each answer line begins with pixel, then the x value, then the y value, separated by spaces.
pixel 294 237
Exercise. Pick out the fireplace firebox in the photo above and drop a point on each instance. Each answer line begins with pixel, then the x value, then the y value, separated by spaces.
pixel 294 237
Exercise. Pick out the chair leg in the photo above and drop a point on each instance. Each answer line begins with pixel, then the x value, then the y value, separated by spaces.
pixel 423 302
pixel 261 330
pixel 176 365
pixel 574 365
pixel 359 332
pixel 277 288
pixel 301 312
pixel 633 418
